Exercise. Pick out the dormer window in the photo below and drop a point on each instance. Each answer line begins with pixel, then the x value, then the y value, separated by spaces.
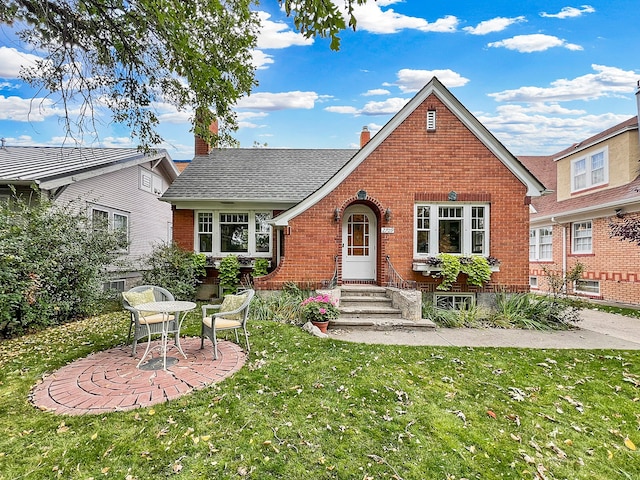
pixel 431 121
pixel 590 171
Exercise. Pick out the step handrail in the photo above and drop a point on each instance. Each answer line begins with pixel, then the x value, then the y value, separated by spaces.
pixel 394 279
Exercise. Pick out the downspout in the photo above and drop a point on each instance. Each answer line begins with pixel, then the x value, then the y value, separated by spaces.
pixel 564 245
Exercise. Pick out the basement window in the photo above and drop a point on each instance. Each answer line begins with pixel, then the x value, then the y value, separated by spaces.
pixel 587 287
pixel 431 121
pixel 455 301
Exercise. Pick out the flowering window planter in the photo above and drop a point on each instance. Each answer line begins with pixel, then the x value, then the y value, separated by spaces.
pixel 431 265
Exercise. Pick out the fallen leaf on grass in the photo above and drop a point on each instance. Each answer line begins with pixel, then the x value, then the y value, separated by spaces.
pixel 629 444
pixel 491 414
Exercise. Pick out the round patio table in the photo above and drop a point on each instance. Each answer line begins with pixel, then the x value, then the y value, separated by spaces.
pixel 166 308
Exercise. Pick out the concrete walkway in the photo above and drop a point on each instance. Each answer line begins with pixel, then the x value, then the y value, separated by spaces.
pixel 596 330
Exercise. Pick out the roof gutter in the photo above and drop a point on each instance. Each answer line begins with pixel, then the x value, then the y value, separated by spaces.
pixel 602 210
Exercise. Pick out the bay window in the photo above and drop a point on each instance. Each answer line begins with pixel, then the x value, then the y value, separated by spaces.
pixel 451 228
pixel 223 233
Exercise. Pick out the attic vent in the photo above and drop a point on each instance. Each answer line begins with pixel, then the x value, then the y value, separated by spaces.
pixel 431 120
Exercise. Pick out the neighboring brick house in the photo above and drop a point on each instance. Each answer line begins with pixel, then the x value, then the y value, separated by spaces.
pixel 594 182
pixel 432 171
pixel 119 185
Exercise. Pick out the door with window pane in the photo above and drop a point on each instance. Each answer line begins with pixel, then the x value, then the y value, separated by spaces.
pixel 359 237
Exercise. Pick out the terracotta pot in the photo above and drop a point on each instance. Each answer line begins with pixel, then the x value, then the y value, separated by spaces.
pixel 321 325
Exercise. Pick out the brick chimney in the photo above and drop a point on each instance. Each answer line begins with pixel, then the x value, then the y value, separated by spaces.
pixel 365 136
pixel 202 147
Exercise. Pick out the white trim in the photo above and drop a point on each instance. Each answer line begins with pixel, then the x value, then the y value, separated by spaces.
pixel 588 161
pixel 113 167
pixel 215 233
pixel 534 187
pixel 579 147
pixel 586 292
pixel 466 222
pixel 574 237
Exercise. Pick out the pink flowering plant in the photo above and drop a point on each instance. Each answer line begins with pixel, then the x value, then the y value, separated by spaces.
pixel 319 308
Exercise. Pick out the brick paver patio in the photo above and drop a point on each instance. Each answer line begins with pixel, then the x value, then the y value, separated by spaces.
pixel 109 381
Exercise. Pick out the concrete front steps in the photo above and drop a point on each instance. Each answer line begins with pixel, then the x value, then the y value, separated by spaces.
pixel 368 306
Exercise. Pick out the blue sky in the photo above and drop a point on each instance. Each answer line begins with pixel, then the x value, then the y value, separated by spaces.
pixel 540 75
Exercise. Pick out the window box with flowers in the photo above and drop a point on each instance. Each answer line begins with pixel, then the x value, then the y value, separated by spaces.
pixel 319 310
pixel 448 267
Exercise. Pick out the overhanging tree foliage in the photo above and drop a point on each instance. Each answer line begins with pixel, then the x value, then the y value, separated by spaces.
pixel 626 228
pixel 126 55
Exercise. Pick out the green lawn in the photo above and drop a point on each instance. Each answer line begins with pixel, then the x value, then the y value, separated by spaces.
pixel 307 408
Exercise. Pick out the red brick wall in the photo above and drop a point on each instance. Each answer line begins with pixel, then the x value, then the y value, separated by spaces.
pixel 183 228
pixel 413 162
pixel 614 263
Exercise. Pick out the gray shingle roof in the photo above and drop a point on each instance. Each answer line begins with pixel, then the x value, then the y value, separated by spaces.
pixel 38 163
pixel 257 174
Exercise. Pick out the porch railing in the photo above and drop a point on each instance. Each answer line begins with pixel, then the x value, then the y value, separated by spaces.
pixel 394 279
pixel 334 280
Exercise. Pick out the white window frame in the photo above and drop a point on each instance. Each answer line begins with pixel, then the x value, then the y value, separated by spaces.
pixel 533 282
pixel 117 285
pixel 151 182
pixel 469 226
pixel 587 167
pixel 579 231
pixel 595 292
pixel 537 241
pixel 253 233
pixel 111 220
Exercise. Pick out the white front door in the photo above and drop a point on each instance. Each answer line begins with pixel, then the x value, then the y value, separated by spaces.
pixel 359 237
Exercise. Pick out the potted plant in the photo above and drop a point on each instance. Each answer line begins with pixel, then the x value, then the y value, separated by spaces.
pixel 319 310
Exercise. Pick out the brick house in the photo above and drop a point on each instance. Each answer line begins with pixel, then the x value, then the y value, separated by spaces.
pixel 594 182
pixel 432 179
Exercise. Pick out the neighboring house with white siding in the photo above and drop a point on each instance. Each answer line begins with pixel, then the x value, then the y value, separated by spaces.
pixel 119 185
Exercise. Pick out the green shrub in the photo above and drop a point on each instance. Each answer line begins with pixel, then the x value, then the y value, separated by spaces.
pixel 52 263
pixel 229 274
pixel 260 267
pixel 282 307
pixel 176 269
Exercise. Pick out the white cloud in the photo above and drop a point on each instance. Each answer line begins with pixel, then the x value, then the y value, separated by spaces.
pixel 390 106
pixel 11 60
pixel 278 34
pixel 278 101
pixel 8 86
pixel 607 81
pixel 568 12
pixel 261 60
pixel 343 109
pixel 371 18
pixel 521 130
pixel 26 109
pixel 536 42
pixel 117 142
pixel 376 91
pixel 494 25
pixel 413 80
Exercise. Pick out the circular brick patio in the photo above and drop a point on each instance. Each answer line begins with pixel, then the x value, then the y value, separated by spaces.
pixel 109 381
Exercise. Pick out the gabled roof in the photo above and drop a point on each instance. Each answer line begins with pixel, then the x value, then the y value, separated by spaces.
pixel 630 124
pixel 600 200
pixel 53 167
pixel 534 186
pixel 257 174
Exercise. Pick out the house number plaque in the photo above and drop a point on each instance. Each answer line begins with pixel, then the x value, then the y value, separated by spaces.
pixel 387 230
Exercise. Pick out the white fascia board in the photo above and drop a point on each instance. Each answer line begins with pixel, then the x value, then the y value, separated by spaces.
pixel 582 148
pixel 113 167
pixel 597 211
pixel 209 204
